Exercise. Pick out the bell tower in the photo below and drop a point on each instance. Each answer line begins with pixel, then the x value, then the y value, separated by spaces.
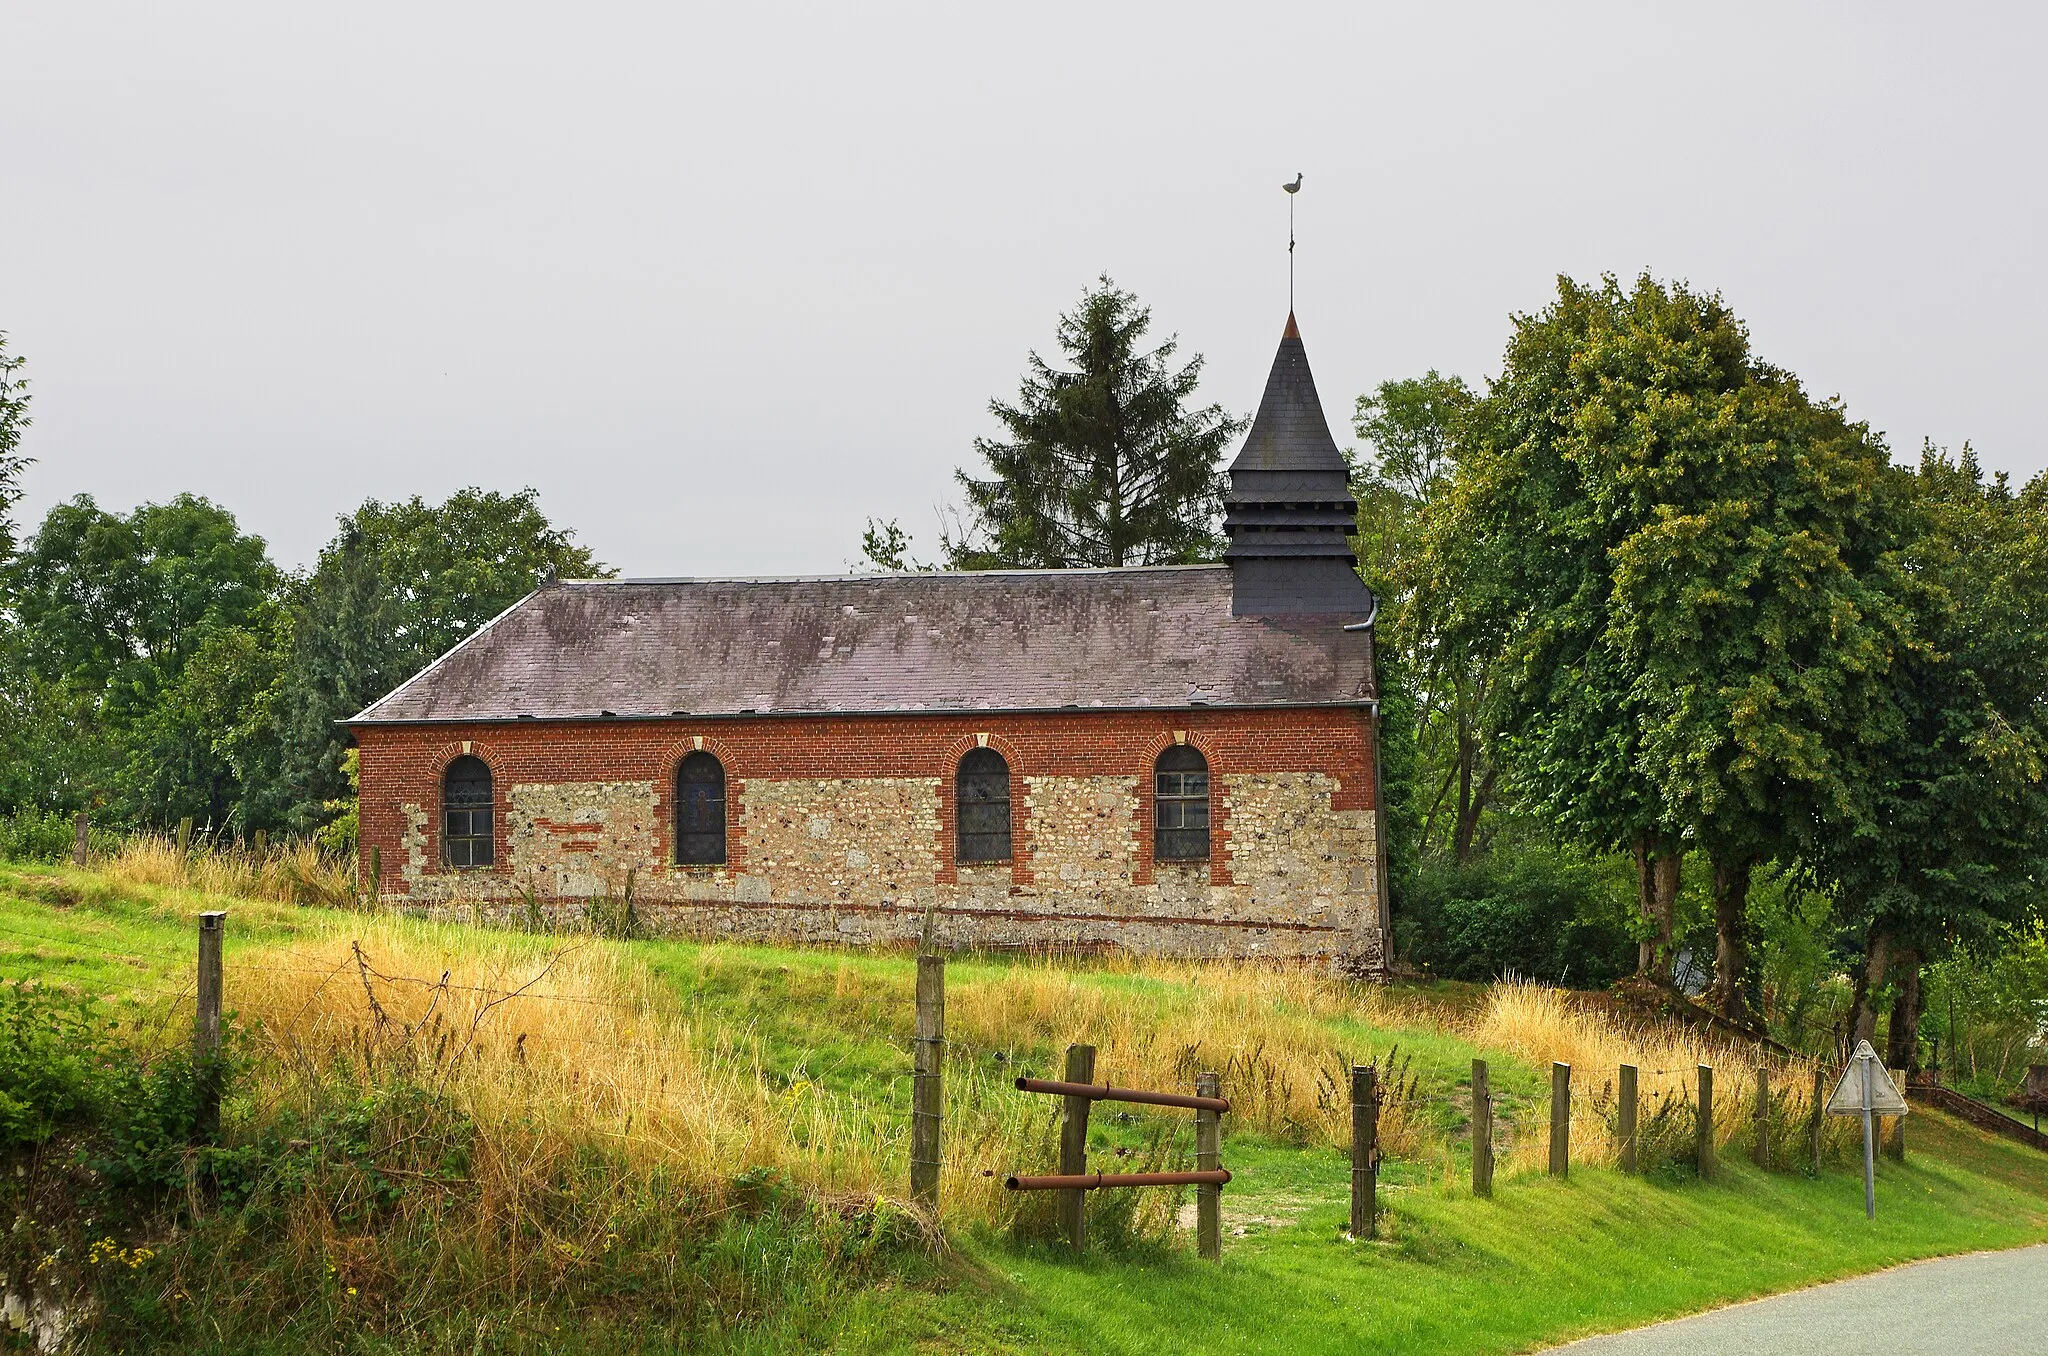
pixel 1289 513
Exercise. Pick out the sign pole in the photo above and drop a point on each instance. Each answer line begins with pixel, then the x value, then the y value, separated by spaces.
pixel 1869 1154
pixel 1866 1090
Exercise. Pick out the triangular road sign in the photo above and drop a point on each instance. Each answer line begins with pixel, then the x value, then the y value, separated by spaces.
pixel 1885 1097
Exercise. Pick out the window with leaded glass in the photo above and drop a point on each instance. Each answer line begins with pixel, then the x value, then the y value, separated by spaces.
pixel 984 807
pixel 1181 801
pixel 466 818
pixel 700 811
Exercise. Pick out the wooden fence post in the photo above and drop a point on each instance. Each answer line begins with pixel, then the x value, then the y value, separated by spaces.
pixel 927 1087
pixel 206 1025
pixel 185 836
pixel 1560 1119
pixel 1813 1117
pixel 262 842
pixel 1627 1128
pixel 81 831
pixel 1208 1158
pixel 1365 1151
pixel 1895 1141
pixel 1760 1152
pixel 1703 1124
pixel 1074 1145
pixel 1482 1130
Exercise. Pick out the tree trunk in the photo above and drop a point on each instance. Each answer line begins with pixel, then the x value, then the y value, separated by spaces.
pixel 1468 819
pixel 1657 877
pixel 1646 900
pixel 1876 956
pixel 1668 869
pixel 1902 1047
pixel 1731 946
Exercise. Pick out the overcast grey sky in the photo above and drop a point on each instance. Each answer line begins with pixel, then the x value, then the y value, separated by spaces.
pixel 723 280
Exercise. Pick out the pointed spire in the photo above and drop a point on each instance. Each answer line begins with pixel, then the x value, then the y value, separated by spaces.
pixel 1289 432
pixel 1289 513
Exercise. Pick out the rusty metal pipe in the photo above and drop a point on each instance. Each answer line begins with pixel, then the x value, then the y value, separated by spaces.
pixel 1090 1181
pixel 1102 1092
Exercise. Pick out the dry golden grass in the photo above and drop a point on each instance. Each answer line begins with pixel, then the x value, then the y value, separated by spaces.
pixel 1542 1025
pixel 553 1046
pixel 547 1048
pixel 581 1109
pixel 293 871
pixel 1158 1023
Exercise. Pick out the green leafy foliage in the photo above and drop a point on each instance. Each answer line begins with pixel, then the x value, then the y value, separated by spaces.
pixel 1532 911
pixel 1987 1005
pixel 14 418
pixel 141 637
pixel 1946 843
pixel 52 1071
pixel 30 835
pixel 156 666
pixel 398 586
pixel 117 603
pixel 1411 432
pixel 1691 567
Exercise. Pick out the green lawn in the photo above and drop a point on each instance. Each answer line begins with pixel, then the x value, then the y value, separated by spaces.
pixel 1542 1262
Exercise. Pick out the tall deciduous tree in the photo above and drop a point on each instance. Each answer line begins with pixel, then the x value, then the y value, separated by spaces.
pixel 1946 844
pixel 1410 432
pixel 1691 563
pixel 1104 463
pixel 1520 560
pixel 112 611
pixel 13 419
pixel 120 601
pixel 398 586
pixel 1756 598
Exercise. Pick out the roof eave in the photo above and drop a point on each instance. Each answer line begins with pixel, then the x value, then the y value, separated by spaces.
pixel 840 713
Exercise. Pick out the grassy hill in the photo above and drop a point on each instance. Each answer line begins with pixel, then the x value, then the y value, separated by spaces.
pixel 439 1137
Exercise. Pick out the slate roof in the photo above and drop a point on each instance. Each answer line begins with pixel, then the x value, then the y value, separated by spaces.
pixel 1289 432
pixel 1028 640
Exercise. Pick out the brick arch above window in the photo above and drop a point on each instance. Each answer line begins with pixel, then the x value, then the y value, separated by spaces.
pixel 676 750
pixel 949 808
pixel 447 753
pixel 440 759
pixel 1146 813
pixel 468 820
pixel 670 763
pixel 967 744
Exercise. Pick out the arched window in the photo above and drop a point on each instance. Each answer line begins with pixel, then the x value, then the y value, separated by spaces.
pixel 984 807
pixel 466 836
pixel 700 811
pixel 1181 794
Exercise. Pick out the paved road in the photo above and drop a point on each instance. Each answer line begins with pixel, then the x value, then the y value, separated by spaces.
pixel 1986 1304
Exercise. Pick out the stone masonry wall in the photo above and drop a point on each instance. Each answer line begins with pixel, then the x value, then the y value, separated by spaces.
pixel 842 829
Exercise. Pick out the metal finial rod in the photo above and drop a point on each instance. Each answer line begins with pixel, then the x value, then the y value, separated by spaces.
pixel 1292 189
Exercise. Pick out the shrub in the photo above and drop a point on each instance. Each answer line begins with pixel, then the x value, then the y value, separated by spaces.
pixel 52 1065
pixel 62 1067
pixel 29 835
pixel 1531 911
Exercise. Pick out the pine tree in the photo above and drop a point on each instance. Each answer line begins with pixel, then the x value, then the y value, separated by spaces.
pixel 1105 464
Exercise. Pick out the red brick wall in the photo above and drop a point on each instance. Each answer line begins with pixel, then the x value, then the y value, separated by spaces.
pixel 402 764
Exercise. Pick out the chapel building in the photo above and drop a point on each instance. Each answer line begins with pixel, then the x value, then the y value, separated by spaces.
pixel 1174 760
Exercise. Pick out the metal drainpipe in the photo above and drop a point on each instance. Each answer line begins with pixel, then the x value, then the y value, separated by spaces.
pixel 1382 880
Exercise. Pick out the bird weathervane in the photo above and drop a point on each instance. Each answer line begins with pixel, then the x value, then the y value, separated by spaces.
pixel 1292 189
